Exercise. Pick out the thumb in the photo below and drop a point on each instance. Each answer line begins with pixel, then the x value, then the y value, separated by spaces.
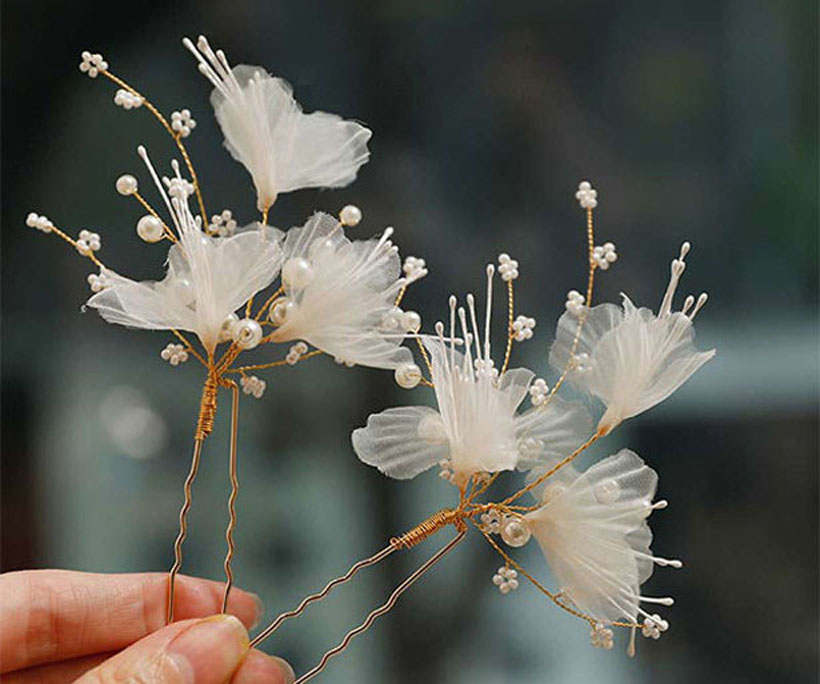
pixel 205 651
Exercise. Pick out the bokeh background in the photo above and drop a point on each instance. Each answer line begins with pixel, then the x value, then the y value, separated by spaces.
pixel 694 120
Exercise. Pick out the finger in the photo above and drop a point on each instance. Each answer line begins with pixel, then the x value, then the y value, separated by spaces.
pixel 56 673
pixel 205 651
pixel 259 667
pixel 51 615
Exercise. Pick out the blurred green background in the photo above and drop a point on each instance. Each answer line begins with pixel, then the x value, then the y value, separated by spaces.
pixel 694 120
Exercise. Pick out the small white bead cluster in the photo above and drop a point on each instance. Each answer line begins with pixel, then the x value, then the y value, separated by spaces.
pixel 343 362
pixel 601 636
pixel 539 391
pixel 182 123
pixel 587 196
pixel 396 318
pixel 34 220
pixel 92 64
pixel 522 328
pixel 414 269
pixel 507 267
pixel 88 242
pixel 253 386
pixel 174 354
pixel 127 100
pixel 223 224
pixel 295 353
pixel 604 255
pixel 350 215
pixel 180 188
pixel 491 522
pixel 446 472
pixel 575 303
pixel 96 282
pixel 485 368
pixel 581 363
pixel 653 626
pixel 506 579
pixel 407 375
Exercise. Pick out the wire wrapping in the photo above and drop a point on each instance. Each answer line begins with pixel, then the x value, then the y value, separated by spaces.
pixel 207 407
pixel 429 527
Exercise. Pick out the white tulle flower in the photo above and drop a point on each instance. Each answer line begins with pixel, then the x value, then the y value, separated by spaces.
pixel 476 428
pixel 631 358
pixel 592 529
pixel 265 129
pixel 338 294
pixel 208 278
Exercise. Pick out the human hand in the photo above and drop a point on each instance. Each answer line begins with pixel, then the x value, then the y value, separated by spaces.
pixel 62 626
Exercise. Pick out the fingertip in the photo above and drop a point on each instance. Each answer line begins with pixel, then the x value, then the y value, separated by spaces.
pixel 261 667
pixel 198 598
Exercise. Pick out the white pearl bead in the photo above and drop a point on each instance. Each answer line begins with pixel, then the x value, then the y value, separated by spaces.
pixel 408 375
pixel 350 215
pixel 280 310
pixel 150 229
pixel 247 333
pixel 410 321
pixel 296 273
pixel 226 331
pixel 127 184
pixel 515 532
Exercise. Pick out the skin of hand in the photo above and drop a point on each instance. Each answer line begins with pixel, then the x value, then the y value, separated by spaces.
pixel 62 626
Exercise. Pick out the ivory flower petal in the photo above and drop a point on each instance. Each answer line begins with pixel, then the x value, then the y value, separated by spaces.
pixel 592 529
pixel 265 129
pixel 208 278
pixel 340 293
pixel 630 358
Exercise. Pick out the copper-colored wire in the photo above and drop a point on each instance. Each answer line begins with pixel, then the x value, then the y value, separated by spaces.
pixel 381 610
pixel 145 205
pixel 400 295
pixel 425 357
pixel 183 529
pixel 367 562
pixel 232 470
pixel 176 136
pixel 510 333
pixel 207 407
pixel 268 302
pixel 429 527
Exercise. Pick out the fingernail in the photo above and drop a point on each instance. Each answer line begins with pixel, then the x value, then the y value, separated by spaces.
pixel 287 670
pixel 260 610
pixel 210 650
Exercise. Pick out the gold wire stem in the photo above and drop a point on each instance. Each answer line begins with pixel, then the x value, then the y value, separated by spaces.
pixel 168 232
pixel 274 364
pixel 367 562
pixel 71 241
pixel 270 300
pixel 177 138
pixel 532 485
pixel 232 471
pixel 553 597
pixel 381 610
pixel 265 216
pixel 189 347
pixel 183 528
pixel 583 317
pixel 249 307
pixel 425 357
pixel 400 295
pixel 510 335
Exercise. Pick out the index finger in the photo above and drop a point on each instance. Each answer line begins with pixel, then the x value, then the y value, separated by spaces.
pixel 50 615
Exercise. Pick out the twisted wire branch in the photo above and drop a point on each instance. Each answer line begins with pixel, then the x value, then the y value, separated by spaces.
pixel 232 470
pixel 381 610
